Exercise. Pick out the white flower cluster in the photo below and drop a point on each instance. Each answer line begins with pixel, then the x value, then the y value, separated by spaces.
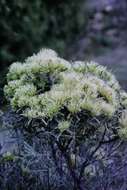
pixel 32 87
pixel 97 70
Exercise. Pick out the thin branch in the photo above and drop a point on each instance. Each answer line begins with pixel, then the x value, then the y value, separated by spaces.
pixel 110 140
pixel 86 162
pixel 67 158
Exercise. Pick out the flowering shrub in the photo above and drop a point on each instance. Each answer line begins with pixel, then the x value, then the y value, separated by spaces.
pixel 73 109
pixel 45 85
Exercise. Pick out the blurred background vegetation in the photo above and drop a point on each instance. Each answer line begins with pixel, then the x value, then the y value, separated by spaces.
pixel 78 29
pixel 27 25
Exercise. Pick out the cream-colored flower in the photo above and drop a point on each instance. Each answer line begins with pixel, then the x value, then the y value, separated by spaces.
pixel 32 86
pixel 63 126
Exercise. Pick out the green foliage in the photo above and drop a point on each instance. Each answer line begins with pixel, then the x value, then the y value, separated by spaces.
pixel 45 85
pixel 63 126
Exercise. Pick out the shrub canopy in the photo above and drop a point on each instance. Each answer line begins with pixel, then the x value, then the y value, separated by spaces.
pixel 47 86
